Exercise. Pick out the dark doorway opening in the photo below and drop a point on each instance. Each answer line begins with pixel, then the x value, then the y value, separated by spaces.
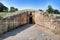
pixel 30 20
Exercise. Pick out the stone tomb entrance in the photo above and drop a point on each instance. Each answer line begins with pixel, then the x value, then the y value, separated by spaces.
pixel 31 18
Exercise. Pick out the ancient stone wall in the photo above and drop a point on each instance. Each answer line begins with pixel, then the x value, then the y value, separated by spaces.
pixel 48 22
pixel 38 17
pixel 44 20
pixel 13 22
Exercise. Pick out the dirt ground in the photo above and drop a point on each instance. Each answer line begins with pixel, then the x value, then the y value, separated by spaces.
pixel 30 32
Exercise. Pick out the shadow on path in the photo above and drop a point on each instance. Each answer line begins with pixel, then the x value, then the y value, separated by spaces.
pixel 16 31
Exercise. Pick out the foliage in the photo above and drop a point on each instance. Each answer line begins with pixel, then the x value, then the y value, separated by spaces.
pixel 12 9
pixel 3 8
pixel 56 11
pixel 16 9
pixel 50 9
pixel 41 10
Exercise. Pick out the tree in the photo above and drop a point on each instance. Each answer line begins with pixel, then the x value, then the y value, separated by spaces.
pixel 3 8
pixel 56 11
pixel 16 9
pixel 50 9
pixel 41 10
pixel 12 9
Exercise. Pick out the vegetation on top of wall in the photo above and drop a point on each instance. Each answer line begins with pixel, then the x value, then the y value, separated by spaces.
pixel 12 9
pixel 3 8
pixel 56 11
pixel 51 10
pixel 41 10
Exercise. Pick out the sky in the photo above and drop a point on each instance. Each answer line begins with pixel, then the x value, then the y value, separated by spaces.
pixel 32 4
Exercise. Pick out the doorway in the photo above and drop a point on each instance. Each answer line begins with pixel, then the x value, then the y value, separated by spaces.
pixel 30 20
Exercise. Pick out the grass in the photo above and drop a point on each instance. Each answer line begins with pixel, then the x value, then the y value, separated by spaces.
pixel 6 14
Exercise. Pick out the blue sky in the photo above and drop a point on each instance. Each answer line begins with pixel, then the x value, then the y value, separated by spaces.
pixel 32 4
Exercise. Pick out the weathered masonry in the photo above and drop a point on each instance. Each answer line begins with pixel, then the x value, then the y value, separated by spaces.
pixel 16 19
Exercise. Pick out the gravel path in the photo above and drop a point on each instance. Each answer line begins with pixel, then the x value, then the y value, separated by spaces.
pixel 29 32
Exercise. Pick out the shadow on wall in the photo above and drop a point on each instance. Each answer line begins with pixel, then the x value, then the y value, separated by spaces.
pixel 14 32
pixel 30 20
pixel 17 18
